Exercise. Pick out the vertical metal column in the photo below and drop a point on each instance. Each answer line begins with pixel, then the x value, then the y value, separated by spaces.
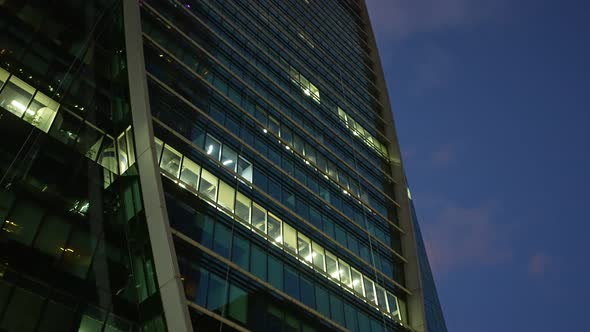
pixel 165 261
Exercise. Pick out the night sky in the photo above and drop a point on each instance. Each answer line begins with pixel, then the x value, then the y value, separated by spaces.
pixel 491 100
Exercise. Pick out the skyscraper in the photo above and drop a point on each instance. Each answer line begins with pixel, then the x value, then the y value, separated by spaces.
pixel 202 165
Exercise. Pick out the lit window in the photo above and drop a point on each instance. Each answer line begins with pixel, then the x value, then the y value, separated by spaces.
pixel 318 256
pixel 243 204
pixel 274 229
pixel 229 158
pixel 190 173
pixel 170 161
pixel 357 281
pixel 304 247
pixel 212 147
pixel 123 153
pixel 226 196
pixel 305 85
pixel 16 96
pixel 369 290
pixel 332 266
pixel 363 134
pixel 259 217
pixel 344 271
pixel 158 145
pixel 273 126
pixel 208 185
pixel 108 155
pixel 245 169
pixel 41 112
pixel 3 76
pixel 290 238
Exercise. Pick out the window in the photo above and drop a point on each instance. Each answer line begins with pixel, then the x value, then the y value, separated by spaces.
pixel 259 218
pixel 226 196
pixel 290 238
pixel 212 147
pixel 238 304
pixel 369 290
pixel 344 271
pixel 357 282
pixel 381 295
pixel 245 169
pixel 3 76
pixel 229 158
pixel 16 96
pixel 318 257
pixel 190 173
pixel 392 304
pixel 274 229
pixel 170 160
pixel 332 266
pixel 304 247
pixel 158 145
pixel 243 204
pixel 208 185
pixel 41 112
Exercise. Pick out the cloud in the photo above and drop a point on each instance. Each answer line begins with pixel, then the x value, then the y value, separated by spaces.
pixel 401 19
pixel 539 264
pixel 460 237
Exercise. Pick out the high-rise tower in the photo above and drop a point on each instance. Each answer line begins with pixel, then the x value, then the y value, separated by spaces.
pixel 206 165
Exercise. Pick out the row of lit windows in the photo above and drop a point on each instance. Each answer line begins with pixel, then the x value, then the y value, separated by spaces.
pixel 175 48
pixel 36 108
pixel 360 132
pixel 262 222
pixel 306 86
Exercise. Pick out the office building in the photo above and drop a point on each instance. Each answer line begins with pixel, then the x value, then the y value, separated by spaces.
pixel 202 165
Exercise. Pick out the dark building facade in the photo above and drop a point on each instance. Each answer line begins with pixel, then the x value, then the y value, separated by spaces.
pixel 206 165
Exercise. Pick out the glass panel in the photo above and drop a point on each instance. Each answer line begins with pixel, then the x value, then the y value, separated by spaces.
pixel 259 217
pixel 130 145
pixel 16 96
pixel 226 196
pixel 304 247
pixel 170 160
pixel 290 239
pixel 159 146
pixel 243 204
pixel 344 269
pixel 229 158
pixel 238 304
pixel 357 282
pixel 212 147
pixel 190 173
pixel 392 303
pixel 3 76
pixel 332 265
pixel 123 154
pixel 273 125
pixel 318 257
pixel 41 112
pixel 208 185
pixel 89 141
pixel 274 229
pixel 245 169
pixel 369 290
pixel 381 295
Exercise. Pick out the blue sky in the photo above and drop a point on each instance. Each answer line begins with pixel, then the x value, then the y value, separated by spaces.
pixel 491 101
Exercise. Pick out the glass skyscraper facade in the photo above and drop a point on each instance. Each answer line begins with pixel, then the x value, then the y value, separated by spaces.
pixel 206 165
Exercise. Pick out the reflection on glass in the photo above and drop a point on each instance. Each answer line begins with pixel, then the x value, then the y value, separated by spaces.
pixel 3 76
pixel 212 147
pixel 344 273
pixel 290 238
pixel 259 217
pixel 392 304
pixel 229 158
pixel 274 228
pixel 159 145
pixel 123 153
pixel 245 169
pixel 243 204
pixel 190 173
pixel 304 247
pixel 332 265
pixel 41 112
pixel 226 196
pixel 208 185
pixel 318 256
pixel 381 295
pixel 16 95
pixel 369 290
pixel 357 282
pixel 108 155
pixel 170 160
